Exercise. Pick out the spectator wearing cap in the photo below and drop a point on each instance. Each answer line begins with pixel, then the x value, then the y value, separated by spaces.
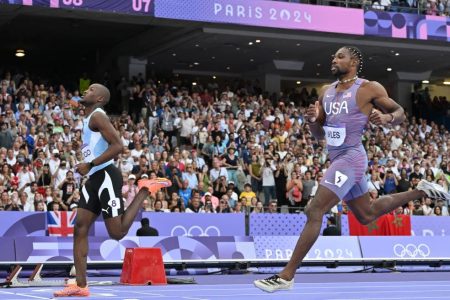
pixel 129 190
pixel 155 146
pixel 209 197
pixel 331 229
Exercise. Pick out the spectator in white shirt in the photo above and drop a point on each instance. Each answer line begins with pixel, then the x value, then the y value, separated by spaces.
pixel 217 171
pixel 427 210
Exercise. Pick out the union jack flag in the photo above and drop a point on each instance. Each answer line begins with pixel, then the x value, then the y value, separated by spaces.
pixel 61 223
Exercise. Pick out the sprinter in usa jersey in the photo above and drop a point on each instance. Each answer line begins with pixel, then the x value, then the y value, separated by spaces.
pixel 339 116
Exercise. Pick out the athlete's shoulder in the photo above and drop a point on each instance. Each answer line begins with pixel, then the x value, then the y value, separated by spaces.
pixel 323 89
pixel 370 84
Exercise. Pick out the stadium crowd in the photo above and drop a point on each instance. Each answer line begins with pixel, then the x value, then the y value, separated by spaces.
pixel 226 149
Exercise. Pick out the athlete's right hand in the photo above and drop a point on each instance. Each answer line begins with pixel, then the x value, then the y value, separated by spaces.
pixel 312 112
pixel 83 168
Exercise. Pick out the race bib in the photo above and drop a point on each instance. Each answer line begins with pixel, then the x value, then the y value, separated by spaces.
pixel 335 136
pixel 88 154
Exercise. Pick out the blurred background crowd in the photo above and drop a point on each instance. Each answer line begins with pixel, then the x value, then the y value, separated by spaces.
pixel 226 148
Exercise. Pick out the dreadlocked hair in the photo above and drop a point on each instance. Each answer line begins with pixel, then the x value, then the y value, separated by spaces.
pixel 356 53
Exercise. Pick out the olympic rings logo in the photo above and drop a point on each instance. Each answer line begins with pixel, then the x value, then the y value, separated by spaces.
pixel 180 230
pixel 411 250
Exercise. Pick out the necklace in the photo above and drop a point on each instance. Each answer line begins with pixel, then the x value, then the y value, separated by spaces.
pixel 348 80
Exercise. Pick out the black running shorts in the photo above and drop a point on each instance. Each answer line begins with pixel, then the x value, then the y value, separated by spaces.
pixel 102 192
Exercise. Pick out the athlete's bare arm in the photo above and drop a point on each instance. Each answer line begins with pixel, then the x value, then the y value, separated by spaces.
pixel 315 116
pixel 385 110
pixel 100 122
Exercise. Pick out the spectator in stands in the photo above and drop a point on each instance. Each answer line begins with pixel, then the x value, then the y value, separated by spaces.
pixel 129 190
pixel 375 182
pixel 308 184
pixel 6 137
pixel 195 206
pixel 390 183
pixel 443 208
pixel 247 194
pixel 437 211
pixel 259 208
pixel 294 188
pixel 54 108
pixel 273 207
pixel 223 206
pixel 209 207
pixel 409 209
pixel 145 229
pixel 331 229
pixel 426 207
pixel 268 179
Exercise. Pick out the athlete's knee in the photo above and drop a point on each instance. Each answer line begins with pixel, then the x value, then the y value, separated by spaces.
pixel 366 219
pixel 80 229
pixel 313 213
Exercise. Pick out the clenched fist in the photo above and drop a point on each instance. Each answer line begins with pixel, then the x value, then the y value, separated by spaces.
pixel 312 113
pixel 378 118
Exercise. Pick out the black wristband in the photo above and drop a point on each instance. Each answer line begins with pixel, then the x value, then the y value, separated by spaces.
pixel 91 164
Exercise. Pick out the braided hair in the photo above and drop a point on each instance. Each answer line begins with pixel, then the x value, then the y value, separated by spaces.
pixel 357 54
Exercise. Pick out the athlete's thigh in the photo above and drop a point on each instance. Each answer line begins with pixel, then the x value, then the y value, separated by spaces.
pixel 84 220
pixel 89 197
pixel 343 174
pixel 323 200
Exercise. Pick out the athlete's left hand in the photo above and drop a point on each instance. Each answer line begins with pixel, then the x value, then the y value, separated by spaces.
pixel 378 118
pixel 83 168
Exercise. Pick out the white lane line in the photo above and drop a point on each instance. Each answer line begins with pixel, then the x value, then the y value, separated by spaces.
pixel 324 293
pixel 24 295
pixel 192 298
pixel 297 285
pixel 127 291
pixel 398 298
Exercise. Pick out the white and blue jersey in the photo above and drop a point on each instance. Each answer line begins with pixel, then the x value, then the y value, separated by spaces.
pixel 94 144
